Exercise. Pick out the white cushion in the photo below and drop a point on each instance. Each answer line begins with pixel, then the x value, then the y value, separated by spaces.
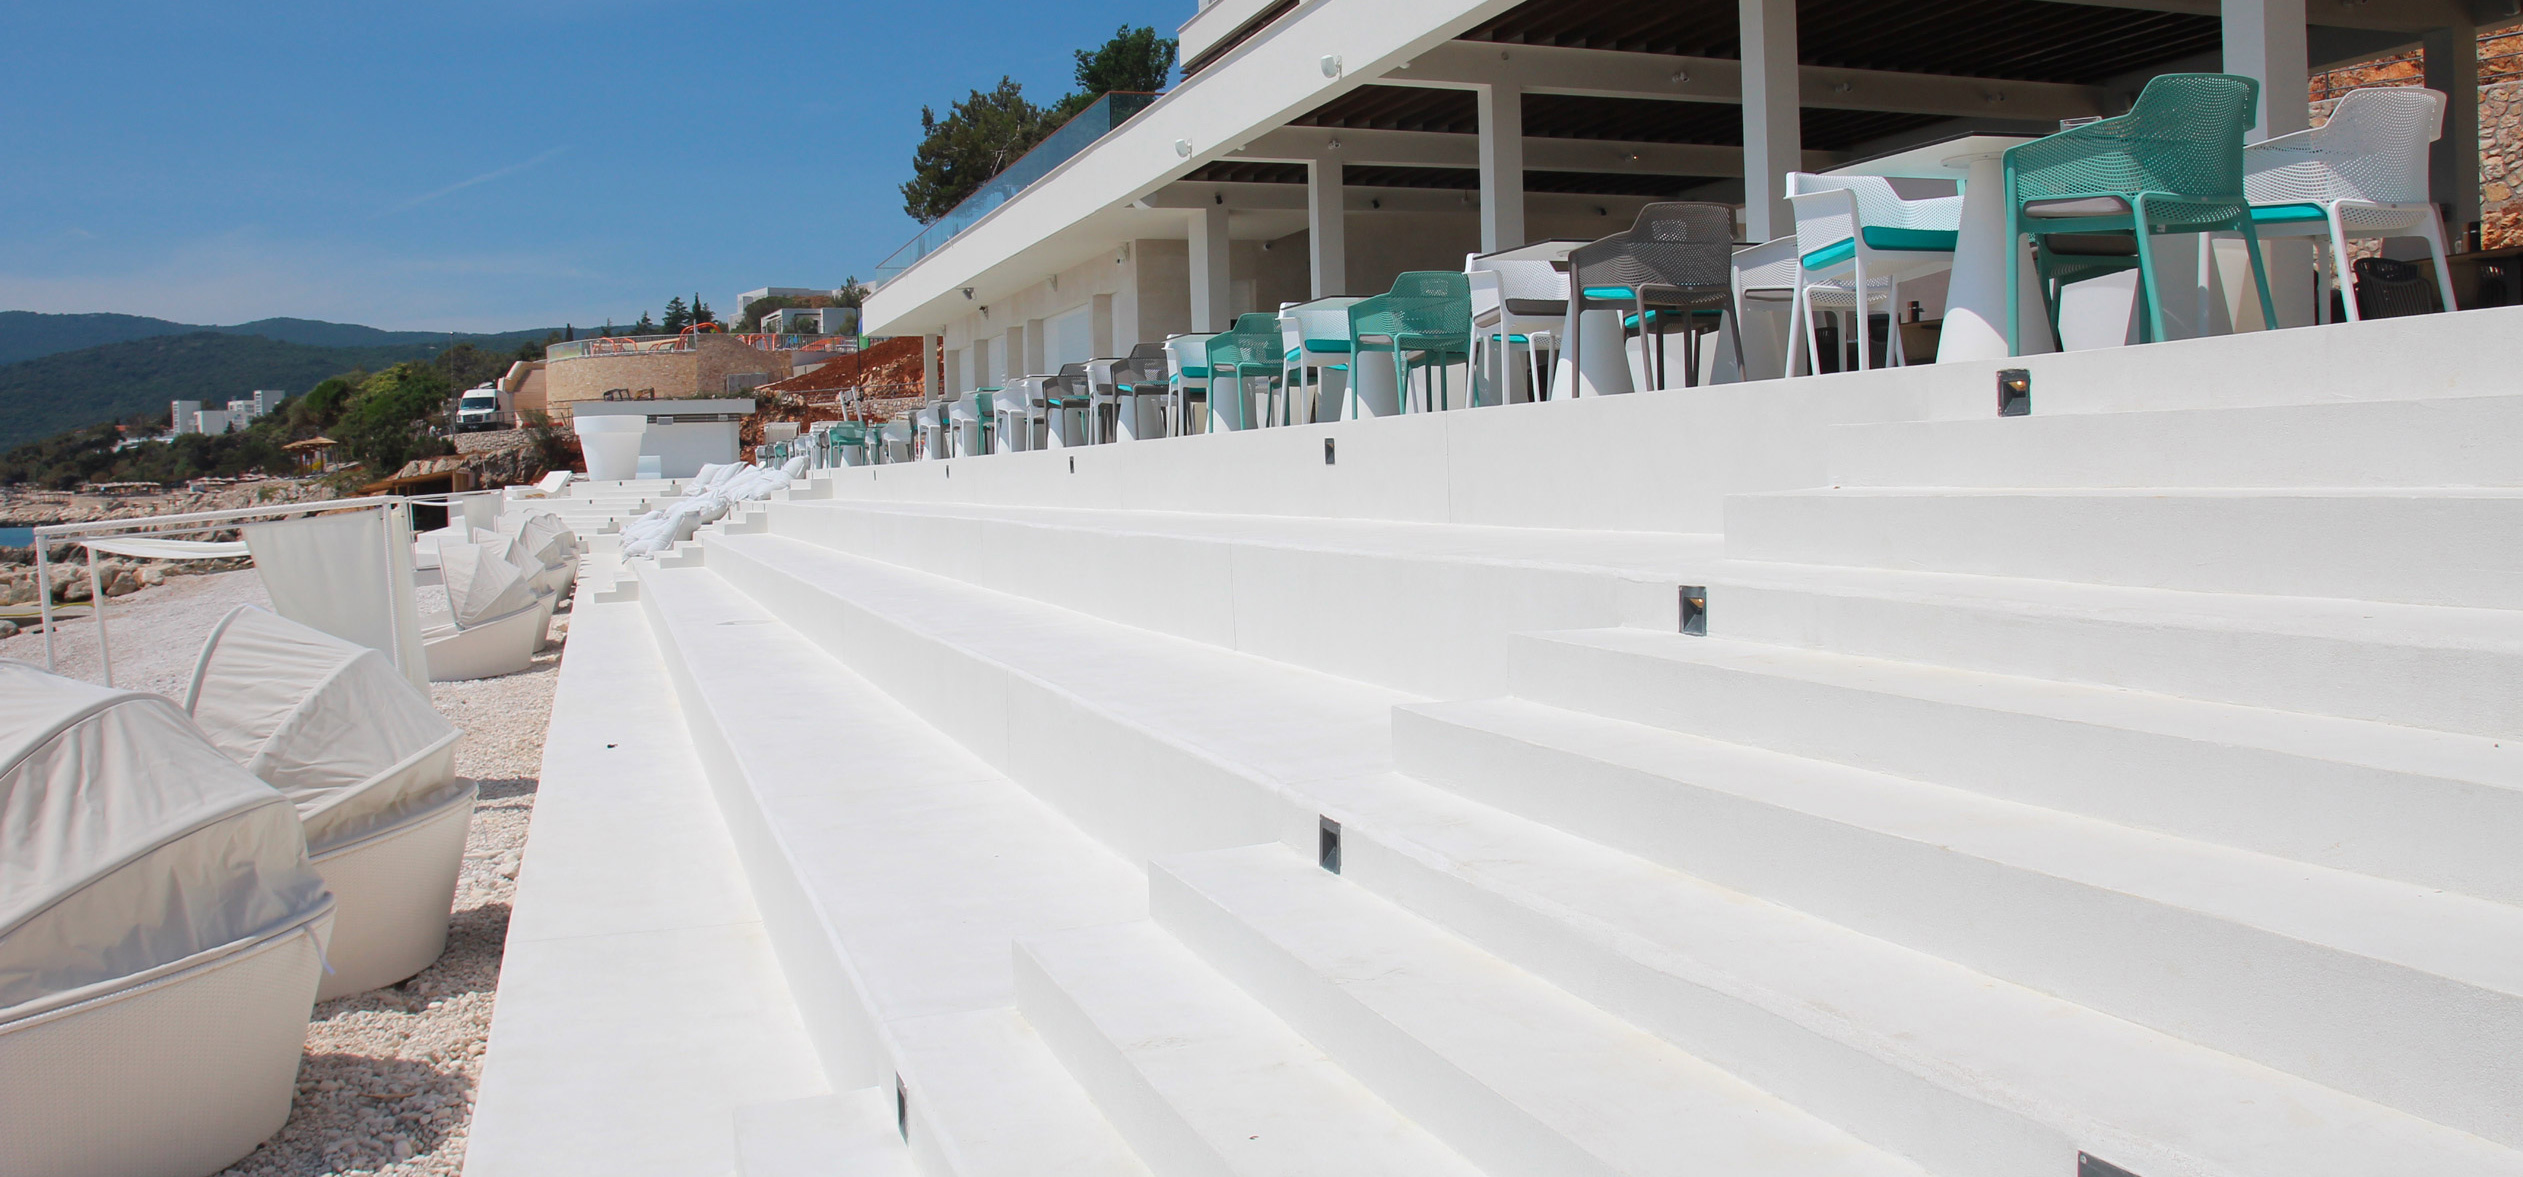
pixel 2083 206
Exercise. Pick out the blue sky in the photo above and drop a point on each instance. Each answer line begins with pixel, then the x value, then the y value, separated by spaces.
pixel 467 165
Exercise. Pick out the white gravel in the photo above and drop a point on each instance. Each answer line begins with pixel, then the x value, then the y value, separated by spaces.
pixel 155 635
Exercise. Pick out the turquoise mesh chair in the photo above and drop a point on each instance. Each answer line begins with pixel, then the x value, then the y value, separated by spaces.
pixel 1250 350
pixel 2173 164
pixel 1424 323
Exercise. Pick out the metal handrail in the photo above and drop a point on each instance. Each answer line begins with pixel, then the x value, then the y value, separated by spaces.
pixel 186 524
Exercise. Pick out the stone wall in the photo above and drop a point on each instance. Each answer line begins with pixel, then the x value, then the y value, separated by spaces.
pixel 702 371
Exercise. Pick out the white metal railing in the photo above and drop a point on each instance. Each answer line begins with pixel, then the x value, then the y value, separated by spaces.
pixel 171 526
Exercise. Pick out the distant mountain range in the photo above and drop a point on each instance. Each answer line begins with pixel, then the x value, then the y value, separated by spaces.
pixel 26 335
pixel 62 372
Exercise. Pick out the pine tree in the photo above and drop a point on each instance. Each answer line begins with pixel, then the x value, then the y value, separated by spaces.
pixel 701 312
pixel 678 316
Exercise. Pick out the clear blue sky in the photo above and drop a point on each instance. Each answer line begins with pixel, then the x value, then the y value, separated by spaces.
pixel 481 164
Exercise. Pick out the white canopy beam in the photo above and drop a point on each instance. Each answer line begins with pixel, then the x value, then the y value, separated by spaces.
pixel 1439 149
pixel 1604 73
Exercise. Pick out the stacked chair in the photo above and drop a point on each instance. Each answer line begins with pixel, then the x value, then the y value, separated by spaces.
pixel 1315 369
pixel 1126 395
pixel 1187 383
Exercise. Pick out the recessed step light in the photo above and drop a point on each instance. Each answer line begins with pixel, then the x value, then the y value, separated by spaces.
pixel 1695 610
pixel 1327 846
pixel 2088 1166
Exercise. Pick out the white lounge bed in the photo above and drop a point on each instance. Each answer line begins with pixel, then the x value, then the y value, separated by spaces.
pixel 161 938
pixel 495 619
pixel 370 766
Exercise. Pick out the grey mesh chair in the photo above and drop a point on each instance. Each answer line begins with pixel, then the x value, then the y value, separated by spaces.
pixel 1068 407
pixel 1676 263
pixel 1126 396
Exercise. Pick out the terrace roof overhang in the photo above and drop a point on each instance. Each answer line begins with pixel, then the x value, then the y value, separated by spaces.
pixel 1617 94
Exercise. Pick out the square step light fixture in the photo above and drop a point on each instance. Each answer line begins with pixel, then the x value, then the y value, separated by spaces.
pixel 1327 451
pixel 2090 1166
pixel 1695 610
pixel 2014 392
pixel 1327 846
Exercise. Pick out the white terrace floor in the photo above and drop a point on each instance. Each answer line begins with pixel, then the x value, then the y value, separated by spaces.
pixel 2126 779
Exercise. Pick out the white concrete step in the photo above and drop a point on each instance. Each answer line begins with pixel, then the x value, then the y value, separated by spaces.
pixel 1511 1071
pixel 1198 1075
pixel 1963 1072
pixel 2431 808
pixel 2343 978
pixel 846 1135
pixel 2428 666
pixel 641 1004
pixel 2430 546
pixel 1154 744
pixel 982 1095
pixel 2454 441
pixel 894 871
pixel 1416 606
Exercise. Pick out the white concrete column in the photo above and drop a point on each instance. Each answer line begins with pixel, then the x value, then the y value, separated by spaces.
pixel 1502 167
pixel 932 381
pixel 2453 169
pixel 1209 289
pixel 2265 41
pixel 1773 138
pixel 1024 351
pixel 1327 227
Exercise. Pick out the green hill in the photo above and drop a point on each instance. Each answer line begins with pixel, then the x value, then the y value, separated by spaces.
pixel 26 335
pixel 53 393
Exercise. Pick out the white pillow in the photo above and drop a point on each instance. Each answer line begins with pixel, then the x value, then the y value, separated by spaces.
pixel 795 467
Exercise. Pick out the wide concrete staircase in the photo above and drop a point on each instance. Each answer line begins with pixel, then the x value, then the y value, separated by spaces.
pixel 2116 788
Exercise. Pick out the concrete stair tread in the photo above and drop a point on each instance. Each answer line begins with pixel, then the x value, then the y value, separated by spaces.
pixel 1282 722
pixel 985 1097
pixel 849 1135
pixel 2433 441
pixel 1644 553
pixel 1199 1076
pixel 2446 626
pixel 1513 1071
pixel 2385 493
pixel 1628 934
pixel 2424 929
pixel 2494 762
pixel 922 862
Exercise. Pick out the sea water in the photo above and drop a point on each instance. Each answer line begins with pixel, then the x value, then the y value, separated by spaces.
pixel 17 537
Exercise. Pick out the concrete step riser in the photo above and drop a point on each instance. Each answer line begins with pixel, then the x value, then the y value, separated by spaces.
pixel 1489 1129
pixel 2418 550
pixel 2479 691
pixel 2393 1034
pixel 2468 441
pixel 2430 830
pixel 1431 626
pixel 829 1001
pixel 1884 1092
pixel 1069 755
pixel 1160 1136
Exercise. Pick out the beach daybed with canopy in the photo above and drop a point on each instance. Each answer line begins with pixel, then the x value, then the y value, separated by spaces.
pixel 369 766
pixel 495 619
pixel 161 938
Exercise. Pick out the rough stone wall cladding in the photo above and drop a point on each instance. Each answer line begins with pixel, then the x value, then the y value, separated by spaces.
pixel 702 372
pixel 2500 125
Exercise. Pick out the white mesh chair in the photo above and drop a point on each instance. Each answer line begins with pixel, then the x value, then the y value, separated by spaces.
pixel 1187 381
pixel 2361 175
pixel 371 768
pixel 969 420
pixel 1855 232
pixel 1765 286
pixel 1519 299
pixel 161 938
pixel 1315 336
pixel 1016 415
